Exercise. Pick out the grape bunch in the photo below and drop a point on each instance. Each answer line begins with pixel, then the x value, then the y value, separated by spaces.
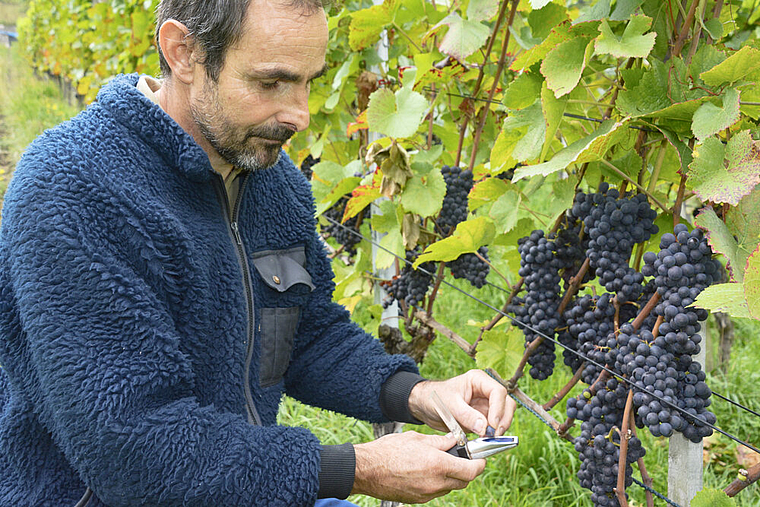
pixel 455 207
pixel 615 224
pixel 411 285
pixel 589 323
pixel 343 235
pixel 471 267
pixel 682 269
pixel 307 164
pixel 598 444
pixel 539 267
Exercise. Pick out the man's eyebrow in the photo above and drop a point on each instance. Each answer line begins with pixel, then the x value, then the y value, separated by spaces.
pixel 286 75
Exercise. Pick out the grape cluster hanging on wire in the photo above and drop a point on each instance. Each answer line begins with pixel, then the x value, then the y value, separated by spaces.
pixel 653 359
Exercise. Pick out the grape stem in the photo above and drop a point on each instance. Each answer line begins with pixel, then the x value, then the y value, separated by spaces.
pixel 644 313
pixel 648 482
pixel 625 436
pixel 753 474
pixel 575 283
pixel 515 290
pixel 538 409
pixel 679 201
pixel 685 27
pixel 656 328
pixel 641 189
pixel 563 392
pixel 436 286
pixel 448 333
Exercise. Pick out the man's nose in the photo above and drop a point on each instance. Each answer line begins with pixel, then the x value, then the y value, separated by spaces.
pixel 296 112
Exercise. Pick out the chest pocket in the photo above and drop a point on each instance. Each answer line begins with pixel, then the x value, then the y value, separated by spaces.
pixel 288 285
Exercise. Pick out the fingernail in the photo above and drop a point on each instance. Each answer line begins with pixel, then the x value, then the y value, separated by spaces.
pixel 479 426
pixel 490 432
pixel 500 431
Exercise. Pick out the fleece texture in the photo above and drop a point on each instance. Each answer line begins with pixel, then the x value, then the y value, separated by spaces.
pixel 124 322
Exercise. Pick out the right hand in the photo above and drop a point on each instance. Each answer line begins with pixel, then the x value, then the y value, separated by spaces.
pixel 411 467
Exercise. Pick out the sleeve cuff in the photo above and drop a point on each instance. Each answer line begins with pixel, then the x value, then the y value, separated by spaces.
pixel 394 396
pixel 336 471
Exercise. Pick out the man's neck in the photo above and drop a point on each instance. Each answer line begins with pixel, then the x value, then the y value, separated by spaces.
pixel 175 107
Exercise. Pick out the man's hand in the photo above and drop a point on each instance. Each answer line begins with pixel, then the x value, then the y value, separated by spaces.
pixel 411 468
pixel 475 400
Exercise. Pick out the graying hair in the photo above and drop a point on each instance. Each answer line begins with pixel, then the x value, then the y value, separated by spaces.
pixel 215 25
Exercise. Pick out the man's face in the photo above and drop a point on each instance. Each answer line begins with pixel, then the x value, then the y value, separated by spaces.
pixel 261 97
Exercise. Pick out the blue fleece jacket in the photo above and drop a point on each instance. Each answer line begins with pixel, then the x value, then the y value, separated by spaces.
pixel 129 301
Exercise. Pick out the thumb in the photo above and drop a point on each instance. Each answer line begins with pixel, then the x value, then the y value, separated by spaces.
pixel 442 442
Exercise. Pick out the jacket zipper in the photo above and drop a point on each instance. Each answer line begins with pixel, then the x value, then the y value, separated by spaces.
pixel 232 227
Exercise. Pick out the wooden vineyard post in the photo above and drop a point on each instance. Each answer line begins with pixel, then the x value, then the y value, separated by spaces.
pixel 685 457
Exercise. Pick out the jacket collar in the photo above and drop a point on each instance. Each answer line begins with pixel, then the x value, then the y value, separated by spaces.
pixel 133 109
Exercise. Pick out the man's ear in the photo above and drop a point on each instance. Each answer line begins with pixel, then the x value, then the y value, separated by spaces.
pixel 177 48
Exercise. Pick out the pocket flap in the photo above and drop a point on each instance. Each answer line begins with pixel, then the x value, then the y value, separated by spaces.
pixel 282 269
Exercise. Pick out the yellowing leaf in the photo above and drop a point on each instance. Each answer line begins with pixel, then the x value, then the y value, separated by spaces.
pixel 501 350
pixel 367 25
pixel 735 68
pixel 752 284
pixel 725 173
pixel 724 297
pixel 467 238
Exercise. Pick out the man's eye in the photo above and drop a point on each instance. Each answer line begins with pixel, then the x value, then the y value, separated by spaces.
pixel 269 85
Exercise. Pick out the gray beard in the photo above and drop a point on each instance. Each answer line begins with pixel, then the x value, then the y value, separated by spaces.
pixel 226 138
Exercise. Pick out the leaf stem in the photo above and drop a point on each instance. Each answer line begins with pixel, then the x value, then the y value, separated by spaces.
pixel 402 32
pixel 629 180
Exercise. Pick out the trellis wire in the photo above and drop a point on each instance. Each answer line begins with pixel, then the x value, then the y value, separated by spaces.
pixel 539 333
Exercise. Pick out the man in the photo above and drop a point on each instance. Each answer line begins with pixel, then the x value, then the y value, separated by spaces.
pixel 162 284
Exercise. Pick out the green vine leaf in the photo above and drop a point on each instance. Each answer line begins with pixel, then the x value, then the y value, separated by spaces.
pixel 624 9
pixel 501 350
pixel 396 115
pixel 561 33
pixel 735 68
pixel 724 297
pixel 522 134
pixel 743 222
pixel 634 43
pixel 463 38
pixel 523 91
pixel 424 193
pixel 662 91
pixel 563 65
pixel 710 119
pixel 554 111
pixel 722 241
pixel 467 238
pixel 588 149
pixel 600 10
pixel 712 498
pixel 725 173
pixel 542 20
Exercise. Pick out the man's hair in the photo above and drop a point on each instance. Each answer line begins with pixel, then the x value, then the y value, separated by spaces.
pixel 215 25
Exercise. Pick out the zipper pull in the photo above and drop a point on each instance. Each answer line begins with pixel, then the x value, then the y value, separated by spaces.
pixel 236 233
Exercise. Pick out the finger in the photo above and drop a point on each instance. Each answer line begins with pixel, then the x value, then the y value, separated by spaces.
pixel 472 419
pixel 468 470
pixel 488 388
pixel 506 421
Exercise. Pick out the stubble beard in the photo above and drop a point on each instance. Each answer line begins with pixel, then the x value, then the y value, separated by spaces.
pixel 242 147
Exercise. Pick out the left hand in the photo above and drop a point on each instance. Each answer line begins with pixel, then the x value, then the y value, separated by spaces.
pixel 475 400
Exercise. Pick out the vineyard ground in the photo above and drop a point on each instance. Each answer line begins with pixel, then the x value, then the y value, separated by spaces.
pixel 541 472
